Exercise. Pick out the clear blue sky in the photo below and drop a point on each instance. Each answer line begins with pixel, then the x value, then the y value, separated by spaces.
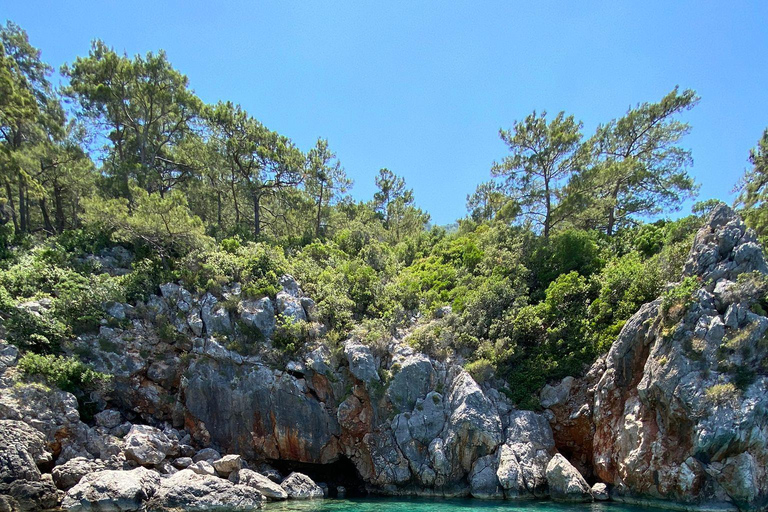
pixel 423 87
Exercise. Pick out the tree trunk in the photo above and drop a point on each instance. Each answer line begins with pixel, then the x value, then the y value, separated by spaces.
pixel 22 206
pixel 548 209
pixel 9 193
pixel 46 218
pixel 319 210
pixel 58 205
pixel 256 216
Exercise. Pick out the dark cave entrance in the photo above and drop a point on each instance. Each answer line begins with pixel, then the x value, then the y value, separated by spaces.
pixel 340 473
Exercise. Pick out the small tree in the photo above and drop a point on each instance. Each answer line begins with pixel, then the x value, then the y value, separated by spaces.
pixel 753 190
pixel 326 179
pixel 162 223
pixel 544 157
pixel 640 168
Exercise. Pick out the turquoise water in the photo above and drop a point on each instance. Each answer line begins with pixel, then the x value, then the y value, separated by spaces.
pixel 440 505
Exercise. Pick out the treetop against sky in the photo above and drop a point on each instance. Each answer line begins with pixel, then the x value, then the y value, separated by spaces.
pixel 424 88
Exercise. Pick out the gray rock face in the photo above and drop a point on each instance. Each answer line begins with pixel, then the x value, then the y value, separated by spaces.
pixel 146 445
pixel 259 314
pixel 191 492
pixel 261 413
pixel 28 495
pixel 214 316
pixel 71 472
pixel 361 361
pixel 261 483
pixel 414 380
pixel 565 482
pixel 108 418
pixel 524 456
pixel 483 482
pixel 299 486
pixel 22 448
pixel 667 418
pixel 289 300
pixel 107 491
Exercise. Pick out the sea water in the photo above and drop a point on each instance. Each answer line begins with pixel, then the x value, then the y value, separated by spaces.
pixel 441 505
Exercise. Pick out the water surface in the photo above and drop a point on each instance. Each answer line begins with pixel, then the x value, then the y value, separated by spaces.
pixel 441 505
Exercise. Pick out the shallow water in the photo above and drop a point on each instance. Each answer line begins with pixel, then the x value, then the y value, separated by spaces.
pixel 441 505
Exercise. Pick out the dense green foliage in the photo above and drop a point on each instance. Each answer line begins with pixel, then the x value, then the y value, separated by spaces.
pixel 540 277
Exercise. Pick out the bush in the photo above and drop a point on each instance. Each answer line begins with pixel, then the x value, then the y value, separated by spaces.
pixel 66 373
pixel 677 299
pixel 722 394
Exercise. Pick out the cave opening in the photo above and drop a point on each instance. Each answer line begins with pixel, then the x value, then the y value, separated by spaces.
pixel 334 474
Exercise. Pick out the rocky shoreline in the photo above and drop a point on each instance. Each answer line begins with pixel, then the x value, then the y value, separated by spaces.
pixel 194 418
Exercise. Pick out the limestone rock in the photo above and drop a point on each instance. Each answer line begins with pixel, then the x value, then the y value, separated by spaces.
pixel 600 492
pixel 111 490
pixel 261 483
pixel 565 482
pixel 227 464
pixel 299 486
pixel 22 449
pixel 192 492
pixel 183 462
pixel 523 458
pixel 67 475
pixel 203 467
pixel 259 314
pixel 108 418
pixel 33 495
pixel 361 361
pixel 207 454
pixel 483 482
pixel 146 445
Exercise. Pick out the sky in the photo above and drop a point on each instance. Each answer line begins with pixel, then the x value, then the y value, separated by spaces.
pixel 423 87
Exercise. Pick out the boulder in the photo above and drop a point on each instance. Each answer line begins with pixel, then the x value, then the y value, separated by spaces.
pixel 600 492
pixel 289 300
pixel 258 314
pixel 299 486
pixel 203 467
pixel 192 492
pixel 361 361
pixel 146 445
pixel 108 418
pixel 33 495
pixel 207 454
pixel 69 474
pixel 227 464
pixel 523 458
pixel 261 483
pixel 110 490
pixel 182 462
pixel 483 482
pixel 215 317
pixel 22 449
pixel 565 482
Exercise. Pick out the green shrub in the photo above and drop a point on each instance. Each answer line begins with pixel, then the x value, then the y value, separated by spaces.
pixel 722 394
pixel 677 299
pixel 66 373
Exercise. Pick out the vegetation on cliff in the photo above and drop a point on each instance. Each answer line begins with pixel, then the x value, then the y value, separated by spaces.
pixel 123 179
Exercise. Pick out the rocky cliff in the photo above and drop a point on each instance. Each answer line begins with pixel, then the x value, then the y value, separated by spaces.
pixel 675 411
